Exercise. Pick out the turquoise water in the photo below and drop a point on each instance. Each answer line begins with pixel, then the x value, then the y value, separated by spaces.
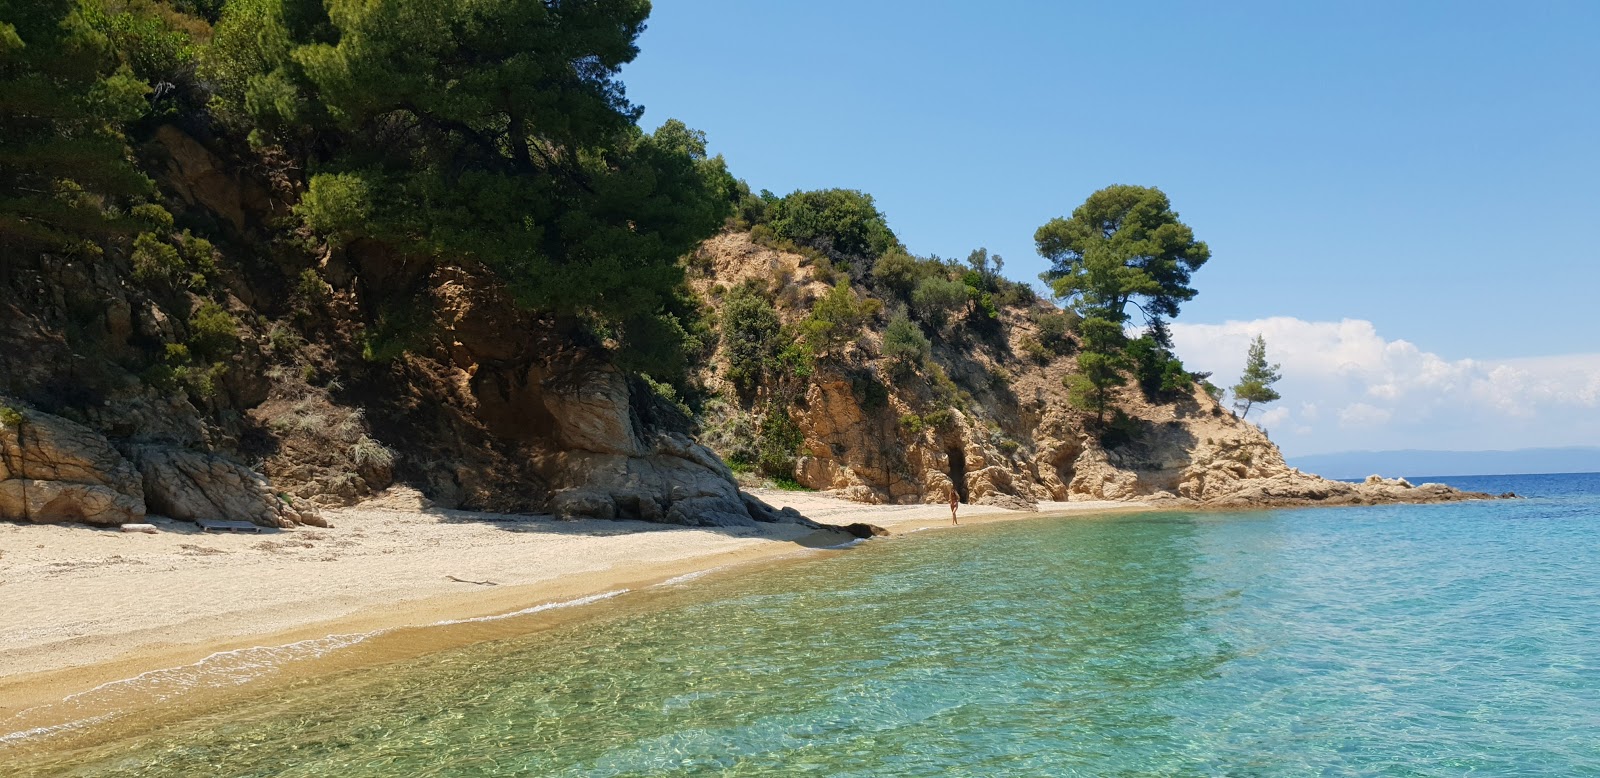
pixel 1439 640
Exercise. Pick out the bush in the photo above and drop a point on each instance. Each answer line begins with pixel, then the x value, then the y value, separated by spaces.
pixel 842 223
pixel 1159 373
pixel 837 318
pixel 904 344
pixel 213 332
pixel 780 444
pixel 1055 331
pixel 154 259
pixel 334 204
pixel 936 299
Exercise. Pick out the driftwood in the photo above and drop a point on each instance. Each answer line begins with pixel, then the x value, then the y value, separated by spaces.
pixel 463 580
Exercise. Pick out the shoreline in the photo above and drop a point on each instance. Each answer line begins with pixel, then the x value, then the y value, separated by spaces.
pixel 84 628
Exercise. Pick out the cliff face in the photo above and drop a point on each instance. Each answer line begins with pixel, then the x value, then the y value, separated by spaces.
pixel 254 392
pixel 1006 433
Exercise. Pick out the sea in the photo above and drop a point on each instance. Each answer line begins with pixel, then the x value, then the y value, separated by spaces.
pixel 1429 640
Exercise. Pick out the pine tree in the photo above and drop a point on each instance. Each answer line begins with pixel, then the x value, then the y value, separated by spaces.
pixel 1255 386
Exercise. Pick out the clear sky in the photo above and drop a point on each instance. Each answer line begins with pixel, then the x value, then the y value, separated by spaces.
pixel 1426 171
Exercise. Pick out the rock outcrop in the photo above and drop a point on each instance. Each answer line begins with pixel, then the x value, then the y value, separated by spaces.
pixel 990 418
pixel 191 485
pixel 55 470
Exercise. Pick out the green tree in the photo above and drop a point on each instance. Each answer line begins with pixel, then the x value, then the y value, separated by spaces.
pixel 904 344
pixel 493 131
pixel 1100 366
pixel 64 97
pixel 1123 245
pixel 1255 385
pixel 750 329
pixel 1160 374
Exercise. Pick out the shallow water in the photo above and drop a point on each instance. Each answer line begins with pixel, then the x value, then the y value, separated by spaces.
pixel 1408 641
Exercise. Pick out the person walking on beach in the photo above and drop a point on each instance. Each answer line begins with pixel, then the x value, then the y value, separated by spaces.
pixel 955 500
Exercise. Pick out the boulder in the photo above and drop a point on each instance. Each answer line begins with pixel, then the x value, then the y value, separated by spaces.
pixel 56 470
pixel 44 502
pixel 189 485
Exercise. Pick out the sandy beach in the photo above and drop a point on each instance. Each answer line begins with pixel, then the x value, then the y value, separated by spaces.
pixel 83 607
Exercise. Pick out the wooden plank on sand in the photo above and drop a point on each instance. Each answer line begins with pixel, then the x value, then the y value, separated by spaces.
pixel 219 525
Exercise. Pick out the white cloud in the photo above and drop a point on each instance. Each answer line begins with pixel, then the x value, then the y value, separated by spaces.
pixel 1392 394
pixel 1363 415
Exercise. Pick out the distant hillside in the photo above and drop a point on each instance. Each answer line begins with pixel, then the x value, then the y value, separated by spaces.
pixel 1412 462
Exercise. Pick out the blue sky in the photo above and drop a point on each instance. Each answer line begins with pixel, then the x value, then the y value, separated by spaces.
pixel 1428 168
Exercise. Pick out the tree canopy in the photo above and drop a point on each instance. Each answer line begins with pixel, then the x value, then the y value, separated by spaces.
pixel 494 130
pixel 1255 385
pixel 64 96
pixel 1123 245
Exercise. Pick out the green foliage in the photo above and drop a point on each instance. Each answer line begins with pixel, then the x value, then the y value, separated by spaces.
pixel 1255 385
pixel 154 259
pixel 1124 244
pixel 10 417
pixel 401 326
pixel 213 332
pixel 904 344
pixel 335 204
pixel 309 289
pixel 488 130
pixel 797 359
pixel 780 442
pixel 1056 330
pixel 145 38
pixel 937 299
pixel 750 341
pixel 1159 373
pixel 837 318
pixel 843 224
pixel 897 273
pixel 65 168
pixel 1098 374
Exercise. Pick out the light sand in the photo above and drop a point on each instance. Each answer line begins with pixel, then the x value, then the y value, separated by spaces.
pixel 81 607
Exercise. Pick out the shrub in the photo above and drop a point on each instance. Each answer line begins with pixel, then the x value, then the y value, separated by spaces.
pixel 1055 330
pixel 334 204
pixel 154 259
pixel 780 444
pixel 936 298
pixel 842 223
pixel 904 344
pixel 213 332
pixel 10 417
pixel 837 318
pixel 1158 372
pixel 366 452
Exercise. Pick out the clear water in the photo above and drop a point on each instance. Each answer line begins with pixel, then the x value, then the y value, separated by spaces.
pixel 1439 640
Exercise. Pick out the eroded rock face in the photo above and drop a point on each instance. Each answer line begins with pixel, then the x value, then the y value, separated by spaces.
pixel 56 470
pixel 189 485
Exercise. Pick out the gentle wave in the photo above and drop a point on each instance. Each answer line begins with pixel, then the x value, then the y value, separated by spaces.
pixel 549 606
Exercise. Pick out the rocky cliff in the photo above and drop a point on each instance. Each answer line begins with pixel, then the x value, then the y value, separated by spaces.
pixel 281 376
pixel 990 417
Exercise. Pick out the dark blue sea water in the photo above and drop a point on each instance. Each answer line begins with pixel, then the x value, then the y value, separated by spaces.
pixel 1436 640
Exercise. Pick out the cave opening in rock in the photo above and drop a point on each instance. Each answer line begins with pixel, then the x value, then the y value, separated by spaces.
pixel 958 471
